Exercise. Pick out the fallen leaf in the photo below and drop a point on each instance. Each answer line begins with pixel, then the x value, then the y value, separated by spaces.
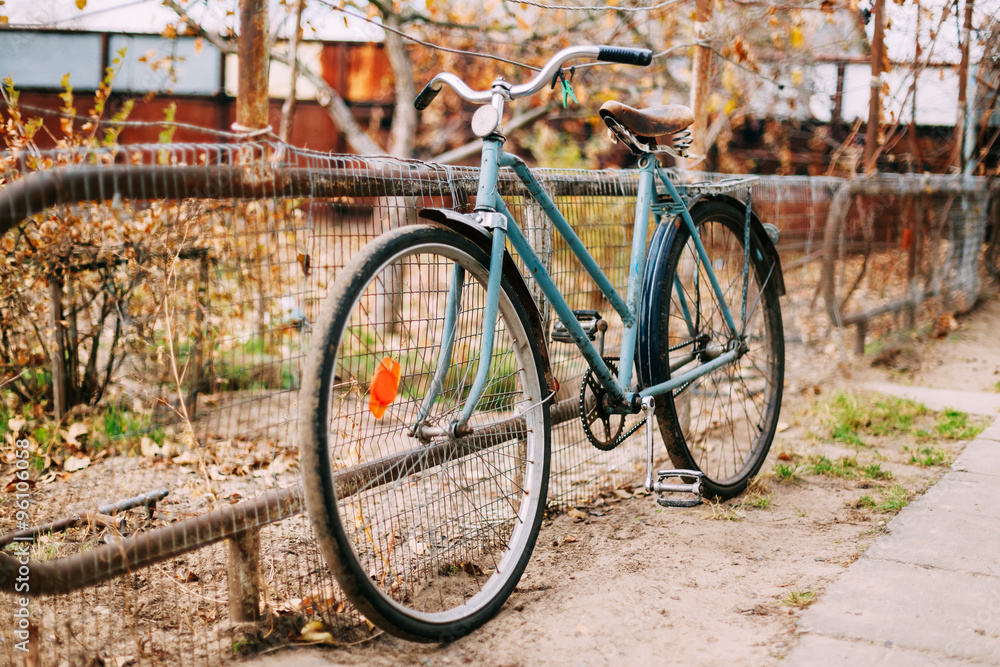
pixel 186 458
pixel 290 606
pixel 75 463
pixel 74 431
pixel 123 660
pixel 621 493
pixel 12 484
pixel 149 448
pixel 782 426
pixel 278 466
pixel 317 603
pixel 187 575
pixel 313 633
pixel 16 424
pixel 576 514
pixel 569 538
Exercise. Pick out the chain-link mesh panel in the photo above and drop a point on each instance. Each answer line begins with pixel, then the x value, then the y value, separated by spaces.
pixel 159 301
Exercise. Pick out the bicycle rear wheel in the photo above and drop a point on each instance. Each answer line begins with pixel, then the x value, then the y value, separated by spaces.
pixel 426 537
pixel 723 422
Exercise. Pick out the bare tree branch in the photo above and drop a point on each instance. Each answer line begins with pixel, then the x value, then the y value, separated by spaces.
pixel 328 98
pixel 404 117
pixel 473 147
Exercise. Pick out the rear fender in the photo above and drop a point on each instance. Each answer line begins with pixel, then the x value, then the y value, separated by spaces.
pixel 759 234
pixel 649 353
pixel 467 227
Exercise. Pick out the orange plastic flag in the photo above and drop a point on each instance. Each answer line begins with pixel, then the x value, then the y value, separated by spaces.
pixel 384 385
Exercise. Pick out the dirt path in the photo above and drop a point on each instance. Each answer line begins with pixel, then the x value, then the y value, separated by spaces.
pixel 722 584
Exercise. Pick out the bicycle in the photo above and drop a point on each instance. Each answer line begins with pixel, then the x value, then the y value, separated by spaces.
pixel 425 440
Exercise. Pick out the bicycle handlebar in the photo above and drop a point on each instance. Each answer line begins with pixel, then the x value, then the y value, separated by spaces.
pixel 618 54
pixel 611 54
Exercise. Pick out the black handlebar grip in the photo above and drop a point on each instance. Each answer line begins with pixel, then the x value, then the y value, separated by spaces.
pixel 618 54
pixel 425 97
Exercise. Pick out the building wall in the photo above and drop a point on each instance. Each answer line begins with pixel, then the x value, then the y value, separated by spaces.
pixel 191 73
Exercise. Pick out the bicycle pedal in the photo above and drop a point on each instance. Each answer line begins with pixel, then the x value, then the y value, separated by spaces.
pixel 674 494
pixel 590 320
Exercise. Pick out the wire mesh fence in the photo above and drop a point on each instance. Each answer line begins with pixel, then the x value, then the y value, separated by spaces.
pixel 159 301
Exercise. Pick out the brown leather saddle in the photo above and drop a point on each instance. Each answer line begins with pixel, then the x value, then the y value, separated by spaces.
pixel 646 125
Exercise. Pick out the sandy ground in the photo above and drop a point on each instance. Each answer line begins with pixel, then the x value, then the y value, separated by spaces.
pixel 624 580
pixel 616 581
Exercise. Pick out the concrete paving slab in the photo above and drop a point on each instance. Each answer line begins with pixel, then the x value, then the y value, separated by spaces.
pixel 820 651
pixel 992 432
pixel 980 456
pixel 933 537
pixel 967 493
pixel 973 402
pixel 956 614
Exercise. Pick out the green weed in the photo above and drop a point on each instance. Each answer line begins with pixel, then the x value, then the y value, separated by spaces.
pixel 785 473
pixel 875 471
pixel 844 467
pixel 955 425
pixel 894 499
pixel 845 435
pixel 866 502
pixel 722 512
pixel 758 501
pixel 852 415
pixel 928 456
pixel 799 598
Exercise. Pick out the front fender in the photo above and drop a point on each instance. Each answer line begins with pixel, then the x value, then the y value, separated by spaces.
pixel 467 227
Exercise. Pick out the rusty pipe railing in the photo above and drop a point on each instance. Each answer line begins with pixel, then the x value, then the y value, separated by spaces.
pixel 112 560
pixel 903 185
pixel 40 190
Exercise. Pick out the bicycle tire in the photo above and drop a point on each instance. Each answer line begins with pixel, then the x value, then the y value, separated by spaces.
pixel 722 423
pixel 426 538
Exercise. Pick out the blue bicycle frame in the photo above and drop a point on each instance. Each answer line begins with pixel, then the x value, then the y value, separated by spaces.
pixel 493 212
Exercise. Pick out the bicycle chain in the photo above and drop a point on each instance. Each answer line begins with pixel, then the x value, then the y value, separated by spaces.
pixel 604 446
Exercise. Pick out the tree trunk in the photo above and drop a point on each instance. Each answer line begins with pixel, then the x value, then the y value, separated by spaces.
pixel 404 116
pixel 699 76
pixel 288 108
pixel 875 101
pixel 254 60
pixel 958 152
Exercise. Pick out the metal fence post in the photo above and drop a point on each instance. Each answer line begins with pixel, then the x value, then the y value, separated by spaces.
pixel 252 112
pixel 539 233
pixel 244 577
pixel 58 356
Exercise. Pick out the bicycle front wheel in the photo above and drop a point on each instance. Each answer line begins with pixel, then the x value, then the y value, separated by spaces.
pixel 721 423
pixel 427 533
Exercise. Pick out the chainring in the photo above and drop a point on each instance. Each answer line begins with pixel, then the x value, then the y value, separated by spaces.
pixel 592 393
